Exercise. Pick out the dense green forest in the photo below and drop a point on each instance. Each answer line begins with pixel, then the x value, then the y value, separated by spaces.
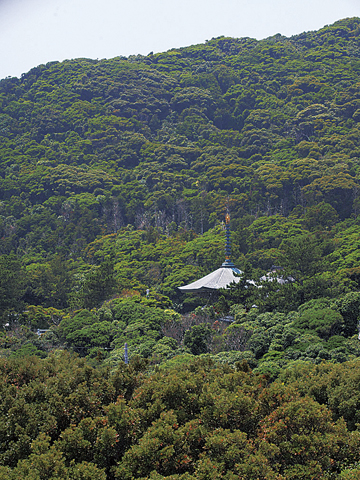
pixel 62 419
pixel 115 176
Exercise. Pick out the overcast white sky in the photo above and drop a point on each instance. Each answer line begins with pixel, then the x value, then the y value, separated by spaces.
pixel 39 31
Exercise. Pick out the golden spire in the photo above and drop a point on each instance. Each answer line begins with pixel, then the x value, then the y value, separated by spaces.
pixel 228 242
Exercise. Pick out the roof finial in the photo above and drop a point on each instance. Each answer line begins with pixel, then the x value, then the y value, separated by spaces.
pixel 228 241
pixel 228 262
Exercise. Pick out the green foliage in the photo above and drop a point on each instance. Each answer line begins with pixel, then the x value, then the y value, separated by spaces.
pixel 324 322
pixel 114 179
pixel 114 174
pixel 197 338
pixel 63 419
pixel 302 255
pixel 349 308
pixel 11 287
pixel 99 285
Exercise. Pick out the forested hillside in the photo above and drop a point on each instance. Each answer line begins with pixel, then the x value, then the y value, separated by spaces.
pixel 115 176
pixel 158 145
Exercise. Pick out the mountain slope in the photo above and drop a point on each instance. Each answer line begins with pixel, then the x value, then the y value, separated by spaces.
pixel 269 128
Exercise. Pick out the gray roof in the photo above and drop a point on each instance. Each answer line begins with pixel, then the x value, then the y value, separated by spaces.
pixel 273 277
pixel 220 278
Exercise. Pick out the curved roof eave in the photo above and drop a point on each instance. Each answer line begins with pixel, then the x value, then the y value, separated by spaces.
pixel 220 278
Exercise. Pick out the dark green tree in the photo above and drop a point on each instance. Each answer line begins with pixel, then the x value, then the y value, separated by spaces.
pixel 99 284
pixel 12 287
pixel 197 339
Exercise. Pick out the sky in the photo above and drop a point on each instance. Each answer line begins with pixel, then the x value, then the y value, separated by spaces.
pixel 33 32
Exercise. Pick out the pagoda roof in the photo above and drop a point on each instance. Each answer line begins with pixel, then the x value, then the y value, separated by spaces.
pixel 220 278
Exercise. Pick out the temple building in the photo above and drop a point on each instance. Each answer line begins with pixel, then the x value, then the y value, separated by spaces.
pixel 220 278
pixel 273 276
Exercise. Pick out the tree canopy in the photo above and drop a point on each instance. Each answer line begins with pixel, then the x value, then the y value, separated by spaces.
pixel 114 179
